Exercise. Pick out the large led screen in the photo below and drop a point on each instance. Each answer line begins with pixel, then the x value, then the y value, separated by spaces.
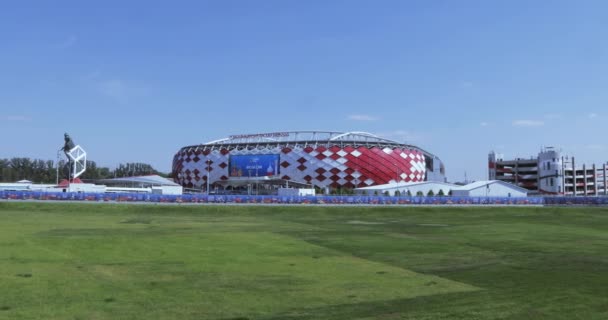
pixel 257 165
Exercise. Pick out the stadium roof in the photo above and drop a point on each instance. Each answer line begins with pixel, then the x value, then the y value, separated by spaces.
pixel 486 183
pixel 399 185
pixel 356 138
pixel 303 136
pixel 151 180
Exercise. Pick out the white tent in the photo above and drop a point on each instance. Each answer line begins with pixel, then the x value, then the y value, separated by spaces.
pixel 490 188
pixel 413 188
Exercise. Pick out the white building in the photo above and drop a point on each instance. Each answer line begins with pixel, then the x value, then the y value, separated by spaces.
pixel 550 173
pixel 411 188
pixel 489 188
pixel 142 184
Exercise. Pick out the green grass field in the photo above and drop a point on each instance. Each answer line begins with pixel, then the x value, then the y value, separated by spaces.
pixel 90 261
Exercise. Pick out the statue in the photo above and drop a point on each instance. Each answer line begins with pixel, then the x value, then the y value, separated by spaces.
pixel 69 168
pixel 69 165
pixel 69 144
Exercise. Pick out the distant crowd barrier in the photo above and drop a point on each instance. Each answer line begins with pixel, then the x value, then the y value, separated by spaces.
pixel 245 199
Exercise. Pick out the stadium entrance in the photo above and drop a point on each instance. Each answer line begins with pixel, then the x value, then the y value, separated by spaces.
pixel 257 185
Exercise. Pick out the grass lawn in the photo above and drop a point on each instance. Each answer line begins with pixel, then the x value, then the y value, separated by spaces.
pixel 103 261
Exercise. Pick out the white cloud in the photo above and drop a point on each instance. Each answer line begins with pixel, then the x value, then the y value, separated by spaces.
pixel 400 136
pixel 597 147
pixel 116 89
pixel 552 116
pixel 120 90
pixel 484 124
pixel 68 42
pixel 362 117
pixel 15 118
pixel 91 76
pixel 528 123
pixel 592 115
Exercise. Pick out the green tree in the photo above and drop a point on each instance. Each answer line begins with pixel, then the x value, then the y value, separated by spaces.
pixel 131 169
pixel 319 190
pixel 430 193
pixel 44 171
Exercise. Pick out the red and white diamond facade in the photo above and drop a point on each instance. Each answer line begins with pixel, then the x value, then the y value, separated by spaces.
pixel 323 159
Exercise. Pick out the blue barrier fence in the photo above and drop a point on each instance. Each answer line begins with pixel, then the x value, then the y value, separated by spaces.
pixel 196 198
pixel 371 200
pixel 576 201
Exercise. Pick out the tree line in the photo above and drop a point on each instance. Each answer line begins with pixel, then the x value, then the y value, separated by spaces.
pixel 44 171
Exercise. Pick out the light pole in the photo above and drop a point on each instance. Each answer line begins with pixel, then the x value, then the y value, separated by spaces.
pixel 249 185
pixel 208 173
pixel 57 165
pixel 255 161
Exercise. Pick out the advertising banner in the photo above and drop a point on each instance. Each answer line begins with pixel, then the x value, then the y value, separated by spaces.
pixel 258 165
pixel 320 200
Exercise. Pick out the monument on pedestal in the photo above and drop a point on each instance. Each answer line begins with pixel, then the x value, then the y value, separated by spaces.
pixel 76 157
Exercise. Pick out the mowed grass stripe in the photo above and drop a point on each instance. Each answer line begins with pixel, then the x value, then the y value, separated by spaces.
pixel 210 270
pixel 88 261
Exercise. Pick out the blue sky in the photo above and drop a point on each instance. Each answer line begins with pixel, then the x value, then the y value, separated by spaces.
pixel 137 80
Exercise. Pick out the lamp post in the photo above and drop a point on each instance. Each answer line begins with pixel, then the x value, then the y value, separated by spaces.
pixel 255 161
pixel 249 185
pixel 208 173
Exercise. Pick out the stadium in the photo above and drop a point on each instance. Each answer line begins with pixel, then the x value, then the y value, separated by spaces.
pixel 314 158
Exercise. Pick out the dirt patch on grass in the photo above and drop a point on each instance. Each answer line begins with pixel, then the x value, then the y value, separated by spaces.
pixel 364 222
pixel 138 220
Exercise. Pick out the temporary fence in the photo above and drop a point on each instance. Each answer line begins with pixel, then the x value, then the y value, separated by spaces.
pixel 576 201
pixel 268 199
